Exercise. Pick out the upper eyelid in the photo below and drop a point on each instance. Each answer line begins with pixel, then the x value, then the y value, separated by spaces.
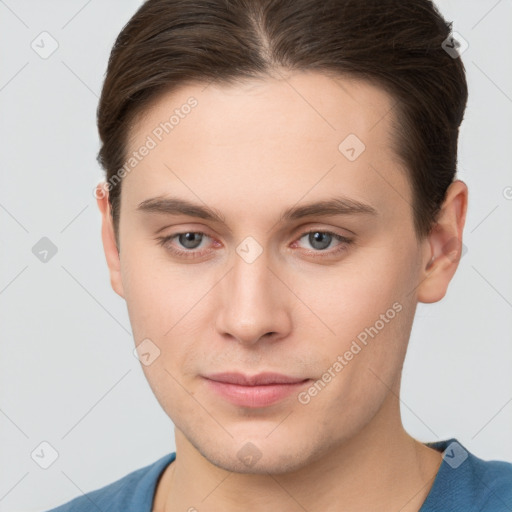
pixel 296 230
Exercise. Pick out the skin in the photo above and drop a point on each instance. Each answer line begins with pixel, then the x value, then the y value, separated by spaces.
pixel 249 151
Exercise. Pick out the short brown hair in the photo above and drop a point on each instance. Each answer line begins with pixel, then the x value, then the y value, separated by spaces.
pixel 394 44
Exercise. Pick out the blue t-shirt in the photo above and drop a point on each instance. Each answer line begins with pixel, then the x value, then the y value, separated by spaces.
pixel 464 483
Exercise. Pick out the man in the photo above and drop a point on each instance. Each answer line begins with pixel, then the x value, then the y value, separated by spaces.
pixel 280 195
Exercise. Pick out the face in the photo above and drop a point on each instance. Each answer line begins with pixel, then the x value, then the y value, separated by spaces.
pixel 323 296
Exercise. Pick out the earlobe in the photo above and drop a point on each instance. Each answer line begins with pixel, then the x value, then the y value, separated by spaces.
pixel 109 240
pixel 443 246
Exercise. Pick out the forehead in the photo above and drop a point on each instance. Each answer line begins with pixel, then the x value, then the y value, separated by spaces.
pixel 326 103
pixel 304 133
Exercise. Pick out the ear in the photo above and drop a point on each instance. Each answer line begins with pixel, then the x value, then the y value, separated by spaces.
pixel 443 246
pixel 109 239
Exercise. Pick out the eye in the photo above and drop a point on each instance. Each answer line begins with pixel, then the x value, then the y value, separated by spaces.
pixel 321 240
pixel 187 242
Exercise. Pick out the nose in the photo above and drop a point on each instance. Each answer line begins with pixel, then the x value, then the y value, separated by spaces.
pixel 255 305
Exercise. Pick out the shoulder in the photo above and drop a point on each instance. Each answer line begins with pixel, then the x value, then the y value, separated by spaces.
pixel 130 492
pixel 493 484
pixel 467 483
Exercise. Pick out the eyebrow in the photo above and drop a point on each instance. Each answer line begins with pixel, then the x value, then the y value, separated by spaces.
pixel 328 207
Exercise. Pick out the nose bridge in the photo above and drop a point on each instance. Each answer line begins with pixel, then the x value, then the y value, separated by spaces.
pixel 252 306
pixel 250 281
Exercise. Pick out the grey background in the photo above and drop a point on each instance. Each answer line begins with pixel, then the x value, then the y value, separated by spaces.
pixel 68 373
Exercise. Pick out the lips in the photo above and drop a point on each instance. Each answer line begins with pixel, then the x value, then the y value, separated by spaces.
pixel 262 379
pixel 261 390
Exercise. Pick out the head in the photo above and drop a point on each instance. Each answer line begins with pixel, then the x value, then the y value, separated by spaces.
pixel 223 123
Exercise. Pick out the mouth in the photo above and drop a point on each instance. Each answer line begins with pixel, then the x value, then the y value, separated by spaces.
pixel 256 391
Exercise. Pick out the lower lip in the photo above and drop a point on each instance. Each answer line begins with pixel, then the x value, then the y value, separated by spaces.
pixel 255 396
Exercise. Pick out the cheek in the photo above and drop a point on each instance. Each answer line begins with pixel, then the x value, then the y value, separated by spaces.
pixel 158 293
pixel 369 309
pixel 353 295
pixel 362 361
pixel 165 305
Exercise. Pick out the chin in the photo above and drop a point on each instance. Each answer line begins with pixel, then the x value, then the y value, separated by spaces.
pixel 252 455
pixel 276 463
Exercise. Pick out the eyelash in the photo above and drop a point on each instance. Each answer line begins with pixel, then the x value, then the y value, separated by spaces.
pixel 191 254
